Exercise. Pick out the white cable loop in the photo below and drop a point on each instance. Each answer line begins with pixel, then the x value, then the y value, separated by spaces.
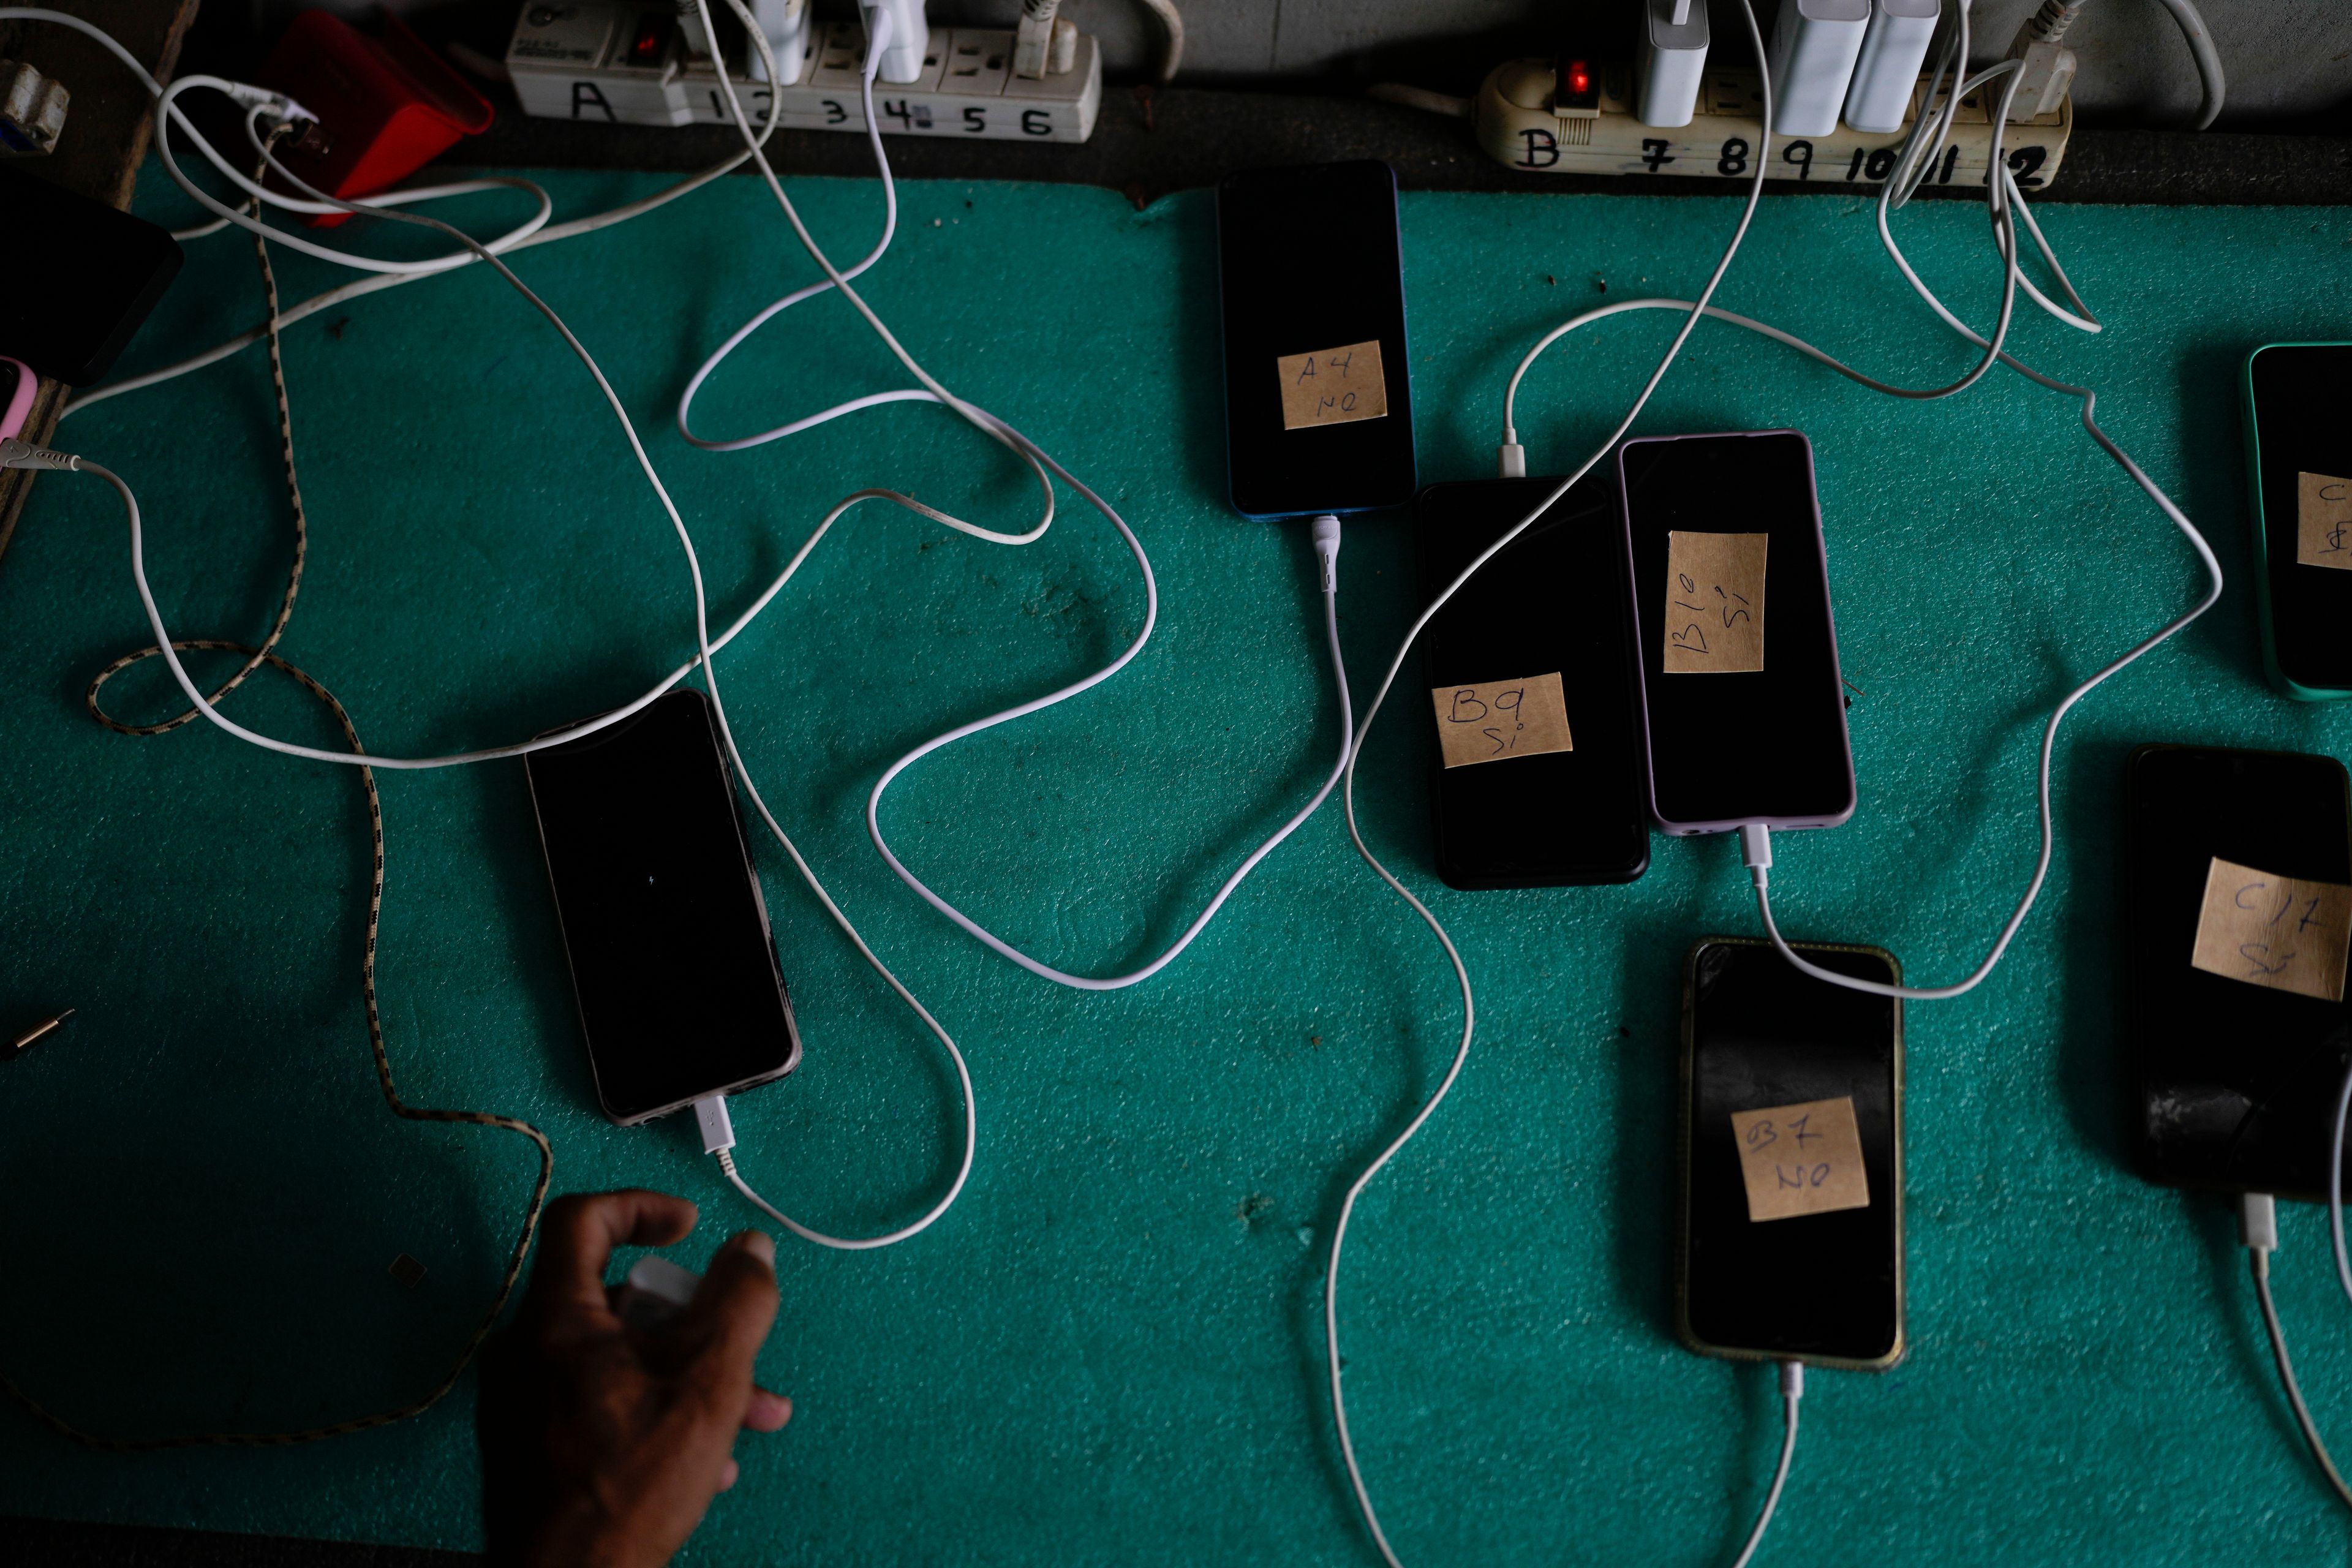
pixel 375 282
pixel 1039 461
pixel 167 113
pixel 705 647
pixel 2005 203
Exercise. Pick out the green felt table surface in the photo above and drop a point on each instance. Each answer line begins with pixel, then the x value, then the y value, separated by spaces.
pixel 1111 1350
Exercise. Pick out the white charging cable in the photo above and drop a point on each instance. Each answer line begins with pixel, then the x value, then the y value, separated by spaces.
pixel 2258 1234
pixel 377 281
pixel 2005 203
pixel 276 106
pixel 1333 1360
pixel 1326 535
pixel 18 454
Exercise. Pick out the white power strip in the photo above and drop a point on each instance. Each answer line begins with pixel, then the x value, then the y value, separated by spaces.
pixel 1518 125
pixel 624 64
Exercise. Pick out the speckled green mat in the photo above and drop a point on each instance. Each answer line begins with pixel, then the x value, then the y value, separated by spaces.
pixel 1109 1351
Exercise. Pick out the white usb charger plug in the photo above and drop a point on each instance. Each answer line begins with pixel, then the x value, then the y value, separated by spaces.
pixel 1811 61
pixel 1671 63
pixel 1887 72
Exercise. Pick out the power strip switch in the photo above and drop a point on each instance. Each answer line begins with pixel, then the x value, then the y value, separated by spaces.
pixel 1811 61
pixel 1887 73
pixel 1671 62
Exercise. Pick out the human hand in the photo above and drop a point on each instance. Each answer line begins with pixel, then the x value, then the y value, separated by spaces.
pixel 602 1447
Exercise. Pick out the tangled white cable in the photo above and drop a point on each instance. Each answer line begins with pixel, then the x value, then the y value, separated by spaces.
pixel 2005 203
pixel 1326 538
pixel 17 453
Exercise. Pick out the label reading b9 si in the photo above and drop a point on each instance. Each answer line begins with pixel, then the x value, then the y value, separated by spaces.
pixel 1501 719
pixel 1333 387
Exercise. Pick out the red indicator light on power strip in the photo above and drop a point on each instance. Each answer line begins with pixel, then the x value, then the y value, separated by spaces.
pixel 1578 89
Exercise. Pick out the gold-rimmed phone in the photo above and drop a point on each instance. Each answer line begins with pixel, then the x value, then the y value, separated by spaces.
pixel 1790 1214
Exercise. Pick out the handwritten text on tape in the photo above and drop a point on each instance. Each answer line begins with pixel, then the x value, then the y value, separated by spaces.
pixel 1715 603
pixel 2279 931
pixel 2323 511
pixel 1501 719
pixel 1333 387
pixel 1801 1159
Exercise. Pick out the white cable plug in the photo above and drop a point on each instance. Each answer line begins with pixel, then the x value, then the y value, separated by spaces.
pixel 2257 1222
pixel 718 1129
pixel 20 453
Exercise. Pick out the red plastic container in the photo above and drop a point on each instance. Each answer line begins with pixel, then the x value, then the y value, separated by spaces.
pixel 388 104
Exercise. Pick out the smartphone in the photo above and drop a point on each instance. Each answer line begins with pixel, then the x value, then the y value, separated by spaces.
pixel 2233 1080
pixel 1310 282
pixel 1743 709
pixel 1554 602
pixel 672 967
pixel 80 280
pixel 1791 1204
pixel 2299 474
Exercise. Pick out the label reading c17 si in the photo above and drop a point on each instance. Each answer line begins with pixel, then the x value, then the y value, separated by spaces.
pixel 1333 387
pixel 2323 521
pixel 2282 932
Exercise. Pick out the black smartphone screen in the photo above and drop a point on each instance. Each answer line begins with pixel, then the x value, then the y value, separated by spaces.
pixel 81 280
pixel 672 964
pixel 1759 1035
pixel 2236 1083
pixel 1746 717
pixel 1312 285
pixel 1553 603
pixel 2295 409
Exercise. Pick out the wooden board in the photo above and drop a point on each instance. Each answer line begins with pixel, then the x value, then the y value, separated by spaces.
pixel 104 143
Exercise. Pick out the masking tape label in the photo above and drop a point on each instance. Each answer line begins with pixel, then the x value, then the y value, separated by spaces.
pixel 1801 1159
pixel 1715 603
pixel 2323 515
pixel 1501 719
pixel 2279 931
pixel 1333 387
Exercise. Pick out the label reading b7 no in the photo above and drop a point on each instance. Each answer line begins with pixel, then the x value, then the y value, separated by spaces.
pixel 1801 1159
pixel 1333 387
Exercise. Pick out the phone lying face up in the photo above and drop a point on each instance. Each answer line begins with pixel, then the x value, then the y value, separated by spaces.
pixel 672 964
pixel 1791 1204
pixel 1540 777
pixel 1310 282
pixel 2237 906
pixel 1738 662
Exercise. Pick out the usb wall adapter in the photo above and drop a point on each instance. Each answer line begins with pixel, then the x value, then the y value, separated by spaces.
pixel 1672 61
pixel 1887 72
pixel 1810 60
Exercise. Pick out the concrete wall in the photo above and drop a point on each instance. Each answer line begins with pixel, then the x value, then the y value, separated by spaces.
pixel 2282 56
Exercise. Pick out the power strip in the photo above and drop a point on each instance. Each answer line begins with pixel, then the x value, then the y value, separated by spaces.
pixel 624 64
pixel 1517 126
